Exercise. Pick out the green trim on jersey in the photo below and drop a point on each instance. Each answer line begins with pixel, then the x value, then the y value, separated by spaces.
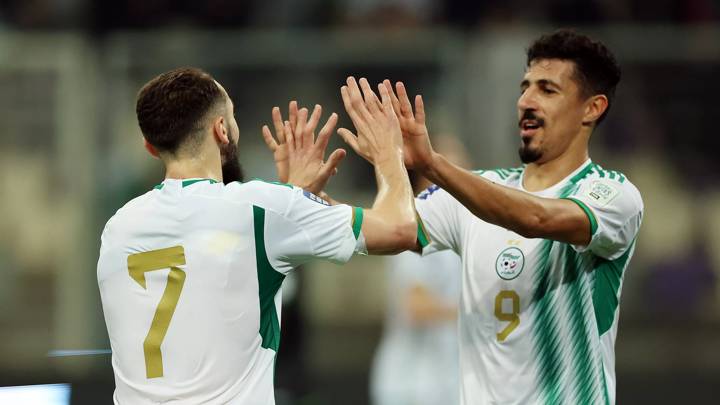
pixel 277 183
pixel 608 274
pixel 578 298
pixel 503 173
pixel 357 220
pixel 186 183
pixel 610 174
pixel 423 238
pixel 548 295
pixel 588 212
pixel 269 282
pixel 545 330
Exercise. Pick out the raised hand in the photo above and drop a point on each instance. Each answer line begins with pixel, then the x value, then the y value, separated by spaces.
pixel 299 155
pixel 417 149
pixel 378 129
pixel 279 147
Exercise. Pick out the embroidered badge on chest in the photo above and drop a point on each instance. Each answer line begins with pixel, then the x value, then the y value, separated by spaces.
pixel 510 263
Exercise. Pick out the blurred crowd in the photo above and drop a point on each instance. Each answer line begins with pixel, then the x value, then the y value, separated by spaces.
pixel 100 16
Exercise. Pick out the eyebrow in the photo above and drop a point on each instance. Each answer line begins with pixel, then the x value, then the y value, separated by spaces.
pixel 542 82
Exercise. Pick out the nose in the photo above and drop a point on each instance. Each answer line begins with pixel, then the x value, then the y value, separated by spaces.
pixel 527 100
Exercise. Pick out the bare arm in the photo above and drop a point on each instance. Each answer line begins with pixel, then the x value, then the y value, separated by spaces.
pixel 390 225
pixel 520 212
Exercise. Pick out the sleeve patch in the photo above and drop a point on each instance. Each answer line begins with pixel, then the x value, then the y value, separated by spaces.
pixel 315 198
pixel 428 192
pixel 601 193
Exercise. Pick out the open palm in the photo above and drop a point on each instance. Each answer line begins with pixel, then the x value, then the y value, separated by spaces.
pixel 417 149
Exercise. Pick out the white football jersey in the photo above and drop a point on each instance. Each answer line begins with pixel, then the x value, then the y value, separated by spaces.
pixel 538 318
pixel 190 276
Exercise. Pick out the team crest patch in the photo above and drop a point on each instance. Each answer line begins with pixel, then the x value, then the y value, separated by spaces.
pixel 601 193
pixel 315 198
pixel 510 263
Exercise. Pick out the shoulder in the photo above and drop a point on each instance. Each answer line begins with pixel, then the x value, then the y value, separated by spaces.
pixel 266 194
pixel 501 175
pixel 128 213
pixel 604 187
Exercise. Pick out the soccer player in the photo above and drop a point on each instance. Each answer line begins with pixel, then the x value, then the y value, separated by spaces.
pixel 544 246
pixel 190 272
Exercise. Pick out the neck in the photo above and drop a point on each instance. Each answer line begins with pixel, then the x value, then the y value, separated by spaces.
pixel 195 167
pixel 540 176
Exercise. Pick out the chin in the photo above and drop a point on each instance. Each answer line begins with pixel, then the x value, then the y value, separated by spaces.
pixel 529 155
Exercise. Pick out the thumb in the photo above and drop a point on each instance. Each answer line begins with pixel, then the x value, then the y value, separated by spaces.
pixel 333 161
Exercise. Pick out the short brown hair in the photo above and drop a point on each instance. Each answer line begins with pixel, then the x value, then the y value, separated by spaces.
pixel 596 69
pixel 171 107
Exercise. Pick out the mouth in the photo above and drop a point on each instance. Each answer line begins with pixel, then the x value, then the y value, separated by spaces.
pixel 529 127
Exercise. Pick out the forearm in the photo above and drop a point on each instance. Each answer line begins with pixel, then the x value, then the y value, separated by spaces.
pixel 523 213
pixel 391 224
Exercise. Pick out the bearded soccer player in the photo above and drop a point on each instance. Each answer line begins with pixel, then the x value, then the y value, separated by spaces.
pixel 545 245
pixel 190 272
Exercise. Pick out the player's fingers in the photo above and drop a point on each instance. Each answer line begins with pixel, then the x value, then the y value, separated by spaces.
pixel 313 122
pixel 357 100
pixel 405 107
pixel 385 97
pixel 301 124
pixel 290 138
pixel 269 140
pixel 293 113
pixel 278 124
pixel 393 97
pixel 326 131
pixel 332 163
pixel 419 110
pixel 350 139
pixel 371 99
pixel 350 108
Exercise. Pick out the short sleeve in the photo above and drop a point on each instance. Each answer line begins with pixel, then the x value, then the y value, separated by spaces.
pixel 438 227
pixel 615 210
pixel 310 228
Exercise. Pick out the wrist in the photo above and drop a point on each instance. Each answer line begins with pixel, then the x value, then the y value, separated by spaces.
pixel 388 156
pixel 430 168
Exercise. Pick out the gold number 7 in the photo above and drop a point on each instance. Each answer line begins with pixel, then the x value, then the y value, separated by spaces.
pixel 511 317
pixel 138 265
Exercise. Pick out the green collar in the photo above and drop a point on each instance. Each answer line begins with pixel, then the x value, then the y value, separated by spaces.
pixel 185 183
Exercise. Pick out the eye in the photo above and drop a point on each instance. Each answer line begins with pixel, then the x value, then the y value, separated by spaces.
pixel 548 91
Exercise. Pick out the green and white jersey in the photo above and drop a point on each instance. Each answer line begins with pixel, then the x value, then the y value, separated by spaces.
pixel 190 276
pixel 538 318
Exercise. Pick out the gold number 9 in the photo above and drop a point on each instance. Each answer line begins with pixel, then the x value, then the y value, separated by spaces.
pixel 511 317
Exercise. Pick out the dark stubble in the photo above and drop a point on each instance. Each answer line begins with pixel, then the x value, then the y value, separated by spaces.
pixel 231 168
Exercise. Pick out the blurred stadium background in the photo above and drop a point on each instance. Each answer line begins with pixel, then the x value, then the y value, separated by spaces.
pixel 71 154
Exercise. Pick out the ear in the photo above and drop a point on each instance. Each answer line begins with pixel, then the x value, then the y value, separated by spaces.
pixel 151 149
pixel 595 107
pixel 220 131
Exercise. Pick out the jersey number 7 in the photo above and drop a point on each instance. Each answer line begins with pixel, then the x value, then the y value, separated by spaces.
pixel 138 265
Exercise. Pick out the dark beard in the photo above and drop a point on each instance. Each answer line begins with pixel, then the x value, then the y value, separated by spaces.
pixel 528 155
pixel 231 168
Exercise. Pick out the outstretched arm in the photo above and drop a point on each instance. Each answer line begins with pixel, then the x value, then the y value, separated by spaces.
pixel 520 212
pixel 390 225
